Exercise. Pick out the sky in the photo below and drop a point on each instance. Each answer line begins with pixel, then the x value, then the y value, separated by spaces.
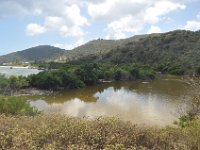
pixel 70 23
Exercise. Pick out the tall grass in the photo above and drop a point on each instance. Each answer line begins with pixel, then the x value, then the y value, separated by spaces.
pixel 61 133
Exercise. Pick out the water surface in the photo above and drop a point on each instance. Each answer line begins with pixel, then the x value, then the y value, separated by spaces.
pixel 17 71
pixel 153 103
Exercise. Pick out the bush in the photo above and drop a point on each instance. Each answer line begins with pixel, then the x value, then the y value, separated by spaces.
pixel 135 73
pixel 88 73
pixel 45 80
pixel 146 74
pixel 18 82
pixel 16 106
pixel 13 83
pixel 70 80
pixel 176 70
pixel 121 74
pixel 108 75
pixel 192 112
pixel 53 80
pixel 4 82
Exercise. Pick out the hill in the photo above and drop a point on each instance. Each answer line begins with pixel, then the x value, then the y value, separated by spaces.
pixel 97 47
pixel 177 50
pixel 39 53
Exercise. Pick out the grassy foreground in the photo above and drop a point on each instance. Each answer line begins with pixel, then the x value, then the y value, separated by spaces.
pixel 61 132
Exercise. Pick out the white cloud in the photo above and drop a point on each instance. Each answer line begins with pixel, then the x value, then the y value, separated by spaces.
pixel 193 24
pixel 160 8
pixel 117 29
pixel 56 15
pixel 96 11
pixel 34 29
pixel 53 22
pixel 115 9
pixel 71 46
pixel 154 29
pixel 69 23
pixel 69 17
pixel 131 16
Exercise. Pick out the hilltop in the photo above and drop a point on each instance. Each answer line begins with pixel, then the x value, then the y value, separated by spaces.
pixel 38 53
pixel 97 48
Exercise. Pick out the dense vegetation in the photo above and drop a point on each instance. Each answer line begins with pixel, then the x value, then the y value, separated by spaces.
pixel 68 76
pixel 77 76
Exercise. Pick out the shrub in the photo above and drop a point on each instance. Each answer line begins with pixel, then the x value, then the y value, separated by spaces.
pixel 70 80
pixel 135 73
pixel 53 80
pixel 61 132
pixel 121 74
pixel 192 112
pixel 176 70
pixel 4 82
pixel 17 82
pixel 88 73
pixel 109 75
pixel 146 74
pixel 16 106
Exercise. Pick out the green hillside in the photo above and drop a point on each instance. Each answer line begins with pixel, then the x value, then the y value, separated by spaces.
pixel 39 53
pixel 177 50
pixel 97 48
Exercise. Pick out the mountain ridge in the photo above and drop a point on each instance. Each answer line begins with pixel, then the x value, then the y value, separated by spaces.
pixel 177 48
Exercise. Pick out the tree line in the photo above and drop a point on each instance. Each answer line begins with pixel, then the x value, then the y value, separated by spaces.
pixel 73 76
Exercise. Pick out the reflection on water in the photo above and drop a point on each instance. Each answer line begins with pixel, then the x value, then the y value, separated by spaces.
pixel 17 71
pixel 153 103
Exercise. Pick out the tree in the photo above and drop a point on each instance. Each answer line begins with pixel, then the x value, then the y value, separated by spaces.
pixel 88 73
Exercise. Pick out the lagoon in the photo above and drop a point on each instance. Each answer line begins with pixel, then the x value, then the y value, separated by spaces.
pixel 17 71
pixel 150 103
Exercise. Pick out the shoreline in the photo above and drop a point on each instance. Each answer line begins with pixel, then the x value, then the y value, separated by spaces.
pixel 30 91
pixel 34 91
pixel 18 67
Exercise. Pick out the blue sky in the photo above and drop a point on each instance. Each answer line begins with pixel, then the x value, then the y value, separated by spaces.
pixel 70 23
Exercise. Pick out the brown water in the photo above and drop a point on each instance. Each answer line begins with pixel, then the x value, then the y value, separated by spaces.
pixel 154 103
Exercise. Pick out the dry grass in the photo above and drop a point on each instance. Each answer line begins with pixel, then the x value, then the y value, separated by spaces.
pixel 60 132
